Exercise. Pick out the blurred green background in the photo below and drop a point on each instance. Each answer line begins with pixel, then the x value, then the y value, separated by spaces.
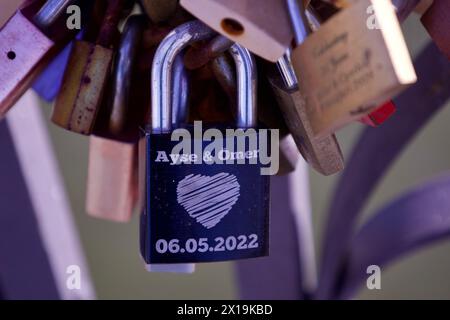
pixel 112 249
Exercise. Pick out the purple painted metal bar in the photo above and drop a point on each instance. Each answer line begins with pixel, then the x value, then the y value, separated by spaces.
pixel 25 271
pixel 372 156
pixel 277 276
pixel 416 219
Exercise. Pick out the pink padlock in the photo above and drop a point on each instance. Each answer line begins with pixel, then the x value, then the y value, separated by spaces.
pixel 28 42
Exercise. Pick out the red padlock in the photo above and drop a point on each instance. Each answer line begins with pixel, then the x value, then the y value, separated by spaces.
pixel 379 115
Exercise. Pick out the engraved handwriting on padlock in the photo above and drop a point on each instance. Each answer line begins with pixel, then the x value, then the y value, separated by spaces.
pixel 85 79
pixel 200 212
pixel 349 70
pixel 380 114
pixel 26 47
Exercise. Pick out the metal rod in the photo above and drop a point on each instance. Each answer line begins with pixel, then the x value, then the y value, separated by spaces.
pixel 124 65
pixel 287 72
pixel 298 20
pixel 247 116
pixel 50 12
pixel 162 65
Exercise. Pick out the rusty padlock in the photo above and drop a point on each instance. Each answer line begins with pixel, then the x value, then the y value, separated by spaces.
pixel 86 76
pixel 28 42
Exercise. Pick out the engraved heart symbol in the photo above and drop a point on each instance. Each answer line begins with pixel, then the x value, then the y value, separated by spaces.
pixel 208 199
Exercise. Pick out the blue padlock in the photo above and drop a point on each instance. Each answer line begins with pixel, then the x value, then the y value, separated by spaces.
pixel 207 201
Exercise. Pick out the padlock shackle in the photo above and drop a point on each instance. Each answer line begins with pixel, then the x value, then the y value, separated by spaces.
pixel 313 18
pixel 162 66
pixel 247 116
pixel 287 72
pixel 301 30
pixel 122 78
pixel 123 71
pixel 180 92
pixel 296 9
pixel 162 76
pixel 50 12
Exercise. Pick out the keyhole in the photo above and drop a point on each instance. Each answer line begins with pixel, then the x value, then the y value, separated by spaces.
pixel 232 26
pixel 11 55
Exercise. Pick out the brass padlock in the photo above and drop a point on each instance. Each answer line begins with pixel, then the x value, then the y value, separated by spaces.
pixel 261 26
pixel 86 76
pixel 354 62
pixel 381 113
pixel 28 42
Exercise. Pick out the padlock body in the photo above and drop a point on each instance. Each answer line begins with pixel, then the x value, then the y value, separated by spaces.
pixel 322 153
pixel 83 87
pixel 24 52
pixel 263 27
pixel 354 62
pixel 112 179
pixel 201 212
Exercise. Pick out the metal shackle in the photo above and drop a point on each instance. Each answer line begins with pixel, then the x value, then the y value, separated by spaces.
pixel 50 12
pixel 299 21
pixel 162 67
pixel 287 72
pixel 247 115
pixel 123 71
pixel 301 30
pixel 180 92
pixel 122 78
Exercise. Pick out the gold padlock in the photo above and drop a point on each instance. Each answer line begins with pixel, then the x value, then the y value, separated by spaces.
pixel 86 76
pixel 354 62
pixel 261 26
